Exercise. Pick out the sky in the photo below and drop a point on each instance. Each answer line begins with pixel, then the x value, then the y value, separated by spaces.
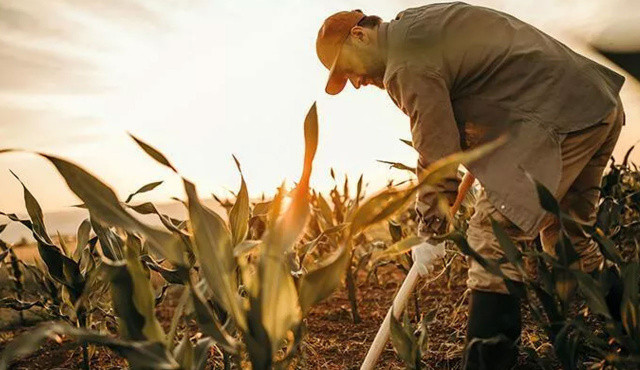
pixel 202 80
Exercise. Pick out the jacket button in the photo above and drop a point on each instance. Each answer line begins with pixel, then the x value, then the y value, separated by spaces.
pixel 502 206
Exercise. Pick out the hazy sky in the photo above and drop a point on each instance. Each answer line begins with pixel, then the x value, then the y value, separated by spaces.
pixel 201 80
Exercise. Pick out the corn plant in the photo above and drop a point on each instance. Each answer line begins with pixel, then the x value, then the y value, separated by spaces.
pixel 15 276
pixel 409 342
pixel 347 221
pixel 242 292
pixel 70 271
pixel 611 296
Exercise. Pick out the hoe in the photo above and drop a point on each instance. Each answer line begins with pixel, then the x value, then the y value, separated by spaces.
pixel 406 288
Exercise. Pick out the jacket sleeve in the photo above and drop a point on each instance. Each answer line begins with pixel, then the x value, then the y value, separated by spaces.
pixel 424 97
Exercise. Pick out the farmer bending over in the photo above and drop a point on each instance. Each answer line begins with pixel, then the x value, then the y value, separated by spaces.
pixel 465 75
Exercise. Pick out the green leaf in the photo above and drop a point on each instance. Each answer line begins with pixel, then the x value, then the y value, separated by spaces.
pixel 630 308
pixel 325 211
pixel 404 345
pixel 133 299
pixel 35 212
pixel 379 208
pixel 103 204
pixel 395 229
pixel 201 353
pixel 402 246
pixel 510 250
pixel 278 298
pixel 564 282
pixel 153 153
pixel 169 223
pixel 174 276
pixel 592 292
pixel 399 166
pixel 310 140
pixel 60 267
pixel 547 201
pixel 390 201
pixel 212 242
pixel 183 353
pixel 465 248
pixel 565 251
pixel 259 346
pixel 82 238
pixel 18 305
pixel 607 247
pixel 246 246
pixel 208 322
pixel 239 215
pixel 408 143
pixel 140 354
pixel 291 225
pixel 143 189
pixel 111 244
pixel 323 280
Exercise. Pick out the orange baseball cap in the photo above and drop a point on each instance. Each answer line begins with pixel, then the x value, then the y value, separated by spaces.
pixel 331 37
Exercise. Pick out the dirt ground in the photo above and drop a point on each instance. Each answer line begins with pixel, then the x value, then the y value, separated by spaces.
pixel 333 341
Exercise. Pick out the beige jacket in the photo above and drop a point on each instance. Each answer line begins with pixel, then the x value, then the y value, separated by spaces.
pixel 466 74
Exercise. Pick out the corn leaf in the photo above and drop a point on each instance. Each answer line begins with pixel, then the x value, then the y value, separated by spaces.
pixel 239 215
pixel 140 354
pixel 111 244
pixel 404 344
pixel 60 267
pixel 592 292
pixel 201 353
pixel 400 247
pixel 510 250
pixel 133 299
pixel 408 143
pixel 153 153
pixel 325 211
pixel 212 242
pixel 323 280
pixel 143 189
pixel 35 212
pixel 399 166
pixel 246 246
pixel 183 353
pixel 209 324
pixel 82 238
pixel 547 201
pixel 390 201
pixel 278 297
pixel 103 204
pixel 395 229
pixel 630 307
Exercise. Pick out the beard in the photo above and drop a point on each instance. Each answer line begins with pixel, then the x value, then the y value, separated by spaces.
pixel 375 68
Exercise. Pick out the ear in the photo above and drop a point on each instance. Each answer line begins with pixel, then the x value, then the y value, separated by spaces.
pixel 358 33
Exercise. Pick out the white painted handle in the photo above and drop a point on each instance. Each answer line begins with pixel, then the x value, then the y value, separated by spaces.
pixel 407 287
pixel 398 306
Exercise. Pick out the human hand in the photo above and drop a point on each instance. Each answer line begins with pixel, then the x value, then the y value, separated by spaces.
pixel 426 254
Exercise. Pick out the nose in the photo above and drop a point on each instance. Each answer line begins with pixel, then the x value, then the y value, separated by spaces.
pixel 355 81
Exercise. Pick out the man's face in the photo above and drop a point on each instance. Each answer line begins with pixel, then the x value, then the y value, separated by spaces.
pixel 361 61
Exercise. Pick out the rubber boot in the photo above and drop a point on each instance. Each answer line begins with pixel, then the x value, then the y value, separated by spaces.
pixel 493 331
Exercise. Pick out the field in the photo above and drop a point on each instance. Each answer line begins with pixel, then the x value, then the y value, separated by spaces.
pixel 333 341
pixel 301 280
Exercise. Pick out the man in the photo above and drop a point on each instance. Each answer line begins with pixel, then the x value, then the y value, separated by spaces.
pixel 465 75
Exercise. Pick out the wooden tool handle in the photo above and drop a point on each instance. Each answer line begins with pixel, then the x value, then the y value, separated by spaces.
pixel 406 288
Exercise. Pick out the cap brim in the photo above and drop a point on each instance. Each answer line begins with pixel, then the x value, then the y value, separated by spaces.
pixel 337 81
